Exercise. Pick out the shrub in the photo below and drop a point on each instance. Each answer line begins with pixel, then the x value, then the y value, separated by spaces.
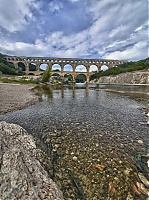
pixel 46 74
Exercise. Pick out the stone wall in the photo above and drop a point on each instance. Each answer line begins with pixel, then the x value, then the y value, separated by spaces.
pixel 138 77
pixel 22 176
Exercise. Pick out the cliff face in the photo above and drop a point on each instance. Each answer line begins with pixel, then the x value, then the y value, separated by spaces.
pixel 22 176
pixel 138 77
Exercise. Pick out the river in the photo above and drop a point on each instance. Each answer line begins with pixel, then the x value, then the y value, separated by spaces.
pixel 94 134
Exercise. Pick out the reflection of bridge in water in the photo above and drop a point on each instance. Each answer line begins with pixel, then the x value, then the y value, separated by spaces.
pixel 73 88
pixel 56 91
pixel 62 62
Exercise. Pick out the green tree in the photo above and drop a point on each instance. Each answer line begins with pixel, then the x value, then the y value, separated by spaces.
pixel 46 74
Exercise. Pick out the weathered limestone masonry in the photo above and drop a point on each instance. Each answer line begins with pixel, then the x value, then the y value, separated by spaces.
pixel 22 176
pixel 74 62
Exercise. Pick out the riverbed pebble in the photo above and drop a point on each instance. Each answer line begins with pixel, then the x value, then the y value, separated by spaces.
pixel 75 158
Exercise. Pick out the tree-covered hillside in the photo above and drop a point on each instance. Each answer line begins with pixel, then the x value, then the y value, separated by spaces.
pixel 123 68
pixel 8 68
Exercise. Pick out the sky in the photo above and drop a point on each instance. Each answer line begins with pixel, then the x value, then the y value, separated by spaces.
pixel 100 29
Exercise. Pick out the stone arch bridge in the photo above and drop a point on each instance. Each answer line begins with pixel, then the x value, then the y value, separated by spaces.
pixel 74 62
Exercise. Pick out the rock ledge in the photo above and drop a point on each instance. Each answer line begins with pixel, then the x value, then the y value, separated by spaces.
pixel 22 176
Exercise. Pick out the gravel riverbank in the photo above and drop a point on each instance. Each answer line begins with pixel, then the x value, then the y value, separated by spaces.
pixel 15 97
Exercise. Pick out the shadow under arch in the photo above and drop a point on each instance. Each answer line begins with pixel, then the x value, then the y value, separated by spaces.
pixel 31 74
pixel 12 64
pixel 92 77
pixel 69 77
pixel 55 74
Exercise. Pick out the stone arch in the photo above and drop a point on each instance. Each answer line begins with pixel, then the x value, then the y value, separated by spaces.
pixel 68 68
pixel 43 66
pixel 56 77
pixel 104 68
pixel 12 64
pixel 93 68
pixel 56 68
pixel 32 66
pixel 92 77
pixel 80 78
pixel 69 76
pixel 31 74
pixel 56 74
pixel 21 66
pixel 80 68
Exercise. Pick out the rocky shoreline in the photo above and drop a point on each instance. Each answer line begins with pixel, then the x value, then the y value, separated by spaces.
pixel 15 97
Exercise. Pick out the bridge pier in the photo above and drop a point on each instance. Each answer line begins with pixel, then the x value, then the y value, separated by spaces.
pixel 15 65
pixel 27 68
pixel 62 67
pixel 73 77
pixel 87 78
pixel 37 67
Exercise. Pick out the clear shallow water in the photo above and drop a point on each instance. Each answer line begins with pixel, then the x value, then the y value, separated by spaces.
pixel 96 124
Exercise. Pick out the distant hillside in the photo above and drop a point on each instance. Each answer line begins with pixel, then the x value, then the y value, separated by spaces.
pixel 8 68
pixel 123 68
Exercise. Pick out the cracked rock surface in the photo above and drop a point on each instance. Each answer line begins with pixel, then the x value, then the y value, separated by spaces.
pixel 22 176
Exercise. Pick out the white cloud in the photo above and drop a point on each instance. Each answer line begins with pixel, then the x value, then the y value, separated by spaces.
pixel 117 32
pixel 23 49
pixel 136 52
pixel 15 14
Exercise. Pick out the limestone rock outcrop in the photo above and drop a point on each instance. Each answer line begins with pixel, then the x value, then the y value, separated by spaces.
pixel 138 77
pixel 22 175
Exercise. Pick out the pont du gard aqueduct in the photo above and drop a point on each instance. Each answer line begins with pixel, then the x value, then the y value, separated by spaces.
pixel 25 63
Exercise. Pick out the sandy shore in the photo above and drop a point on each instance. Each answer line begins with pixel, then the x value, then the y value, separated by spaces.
pixel 15 96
